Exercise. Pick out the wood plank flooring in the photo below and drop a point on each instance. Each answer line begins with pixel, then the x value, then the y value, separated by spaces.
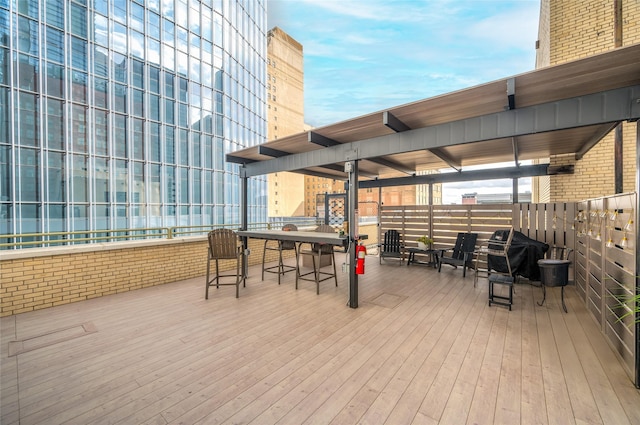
pixel 423 348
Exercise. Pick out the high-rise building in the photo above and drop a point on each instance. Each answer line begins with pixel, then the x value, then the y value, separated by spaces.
pixel 118 114
pixel 285 100
pixel 570 30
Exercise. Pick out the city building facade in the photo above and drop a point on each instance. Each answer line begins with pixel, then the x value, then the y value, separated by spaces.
pixel 285 105
pixel 570 30
pixel 118 114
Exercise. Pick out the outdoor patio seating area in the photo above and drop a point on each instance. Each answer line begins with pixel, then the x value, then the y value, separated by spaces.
pixel 423 347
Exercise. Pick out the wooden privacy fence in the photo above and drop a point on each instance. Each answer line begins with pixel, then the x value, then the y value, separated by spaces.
pixel 549 223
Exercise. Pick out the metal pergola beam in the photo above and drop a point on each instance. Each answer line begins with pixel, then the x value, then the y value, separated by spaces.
pixel 446 159
pixel 393 122
pixel 321 140
pixel 593 109
pixel 492 174
pixel 274 153
pixel 602 132
pixel 392 164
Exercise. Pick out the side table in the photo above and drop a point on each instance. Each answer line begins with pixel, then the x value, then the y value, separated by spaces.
pixel 428 252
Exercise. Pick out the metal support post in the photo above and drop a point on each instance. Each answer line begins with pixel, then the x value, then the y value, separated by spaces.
pixel 353 224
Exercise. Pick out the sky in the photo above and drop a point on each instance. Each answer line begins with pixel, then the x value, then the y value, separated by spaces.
pixel 362 56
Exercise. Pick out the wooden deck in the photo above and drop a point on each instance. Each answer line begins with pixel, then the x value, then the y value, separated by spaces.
pixel 423 348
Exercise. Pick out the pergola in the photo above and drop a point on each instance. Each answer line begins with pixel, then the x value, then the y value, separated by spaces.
pixel 564 109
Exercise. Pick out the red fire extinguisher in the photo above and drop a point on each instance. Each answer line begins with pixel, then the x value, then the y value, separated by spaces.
pixel 361 251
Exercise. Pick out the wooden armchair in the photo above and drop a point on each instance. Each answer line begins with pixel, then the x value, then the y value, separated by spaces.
pixel 461 253
pixel 391 246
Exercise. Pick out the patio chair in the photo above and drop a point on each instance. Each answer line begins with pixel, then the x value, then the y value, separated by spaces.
pixel 317 251
pixel 223 245
pixel 499 249
pixel 279 246
pixel 461 253
pixel 391 246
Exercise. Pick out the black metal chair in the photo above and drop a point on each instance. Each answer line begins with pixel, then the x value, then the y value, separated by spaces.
pixel 280 246
pixel 461 253
pixel 317 251
pixel 223 245
pixel 391 246
pixel 497 248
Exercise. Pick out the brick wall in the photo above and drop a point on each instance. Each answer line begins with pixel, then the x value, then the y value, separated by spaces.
pixel 579 29
pixel 34 279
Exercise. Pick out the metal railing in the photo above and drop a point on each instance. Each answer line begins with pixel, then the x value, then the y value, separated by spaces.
pixel 42 240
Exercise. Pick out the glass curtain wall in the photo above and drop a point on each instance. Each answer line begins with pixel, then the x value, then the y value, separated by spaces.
pixel 119 113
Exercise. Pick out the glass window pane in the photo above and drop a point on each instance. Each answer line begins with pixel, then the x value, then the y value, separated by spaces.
pixel 101 61
pixel 168 32
pixel 154 107
pixel 122 181
pixel 170 185
pixel 138 74
pixel 55 177
pixel 78 53
pixel 4 27
pixel 136 17
pixel 154 142
pixel 28 118
pixel 55 124
pixel 154 79
pixel 5 125
pixel 102 180
pixel 28 72
pixel 138 103
pixel 120 10
pixel 137 44
pixel 55 80
pixel 153 22
pixel 101 29
pixel 78 20
pixel 119 68
pixel 184 185
pixel 183 116
pixel 154 180
pixel 5 174
pixel 183 146
pixel 170 145
pixel 120 98
pixel 153 51
pixel 138 138
pixel 169 106
pixel 55 45
pixel 100 6
pixel 168 86
pixel 101 92
pixel 195 147
pixel 119 38
pixel 101 133
pixel 54 11
pixel 120 135
pixel 181 13
pixel 29 184
pixel 79 128
pixel 4 66
pixel 139 181
pixel 27 38
pixel 79 86
pixel 168 58
pixel 80 192
pixel 196 189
